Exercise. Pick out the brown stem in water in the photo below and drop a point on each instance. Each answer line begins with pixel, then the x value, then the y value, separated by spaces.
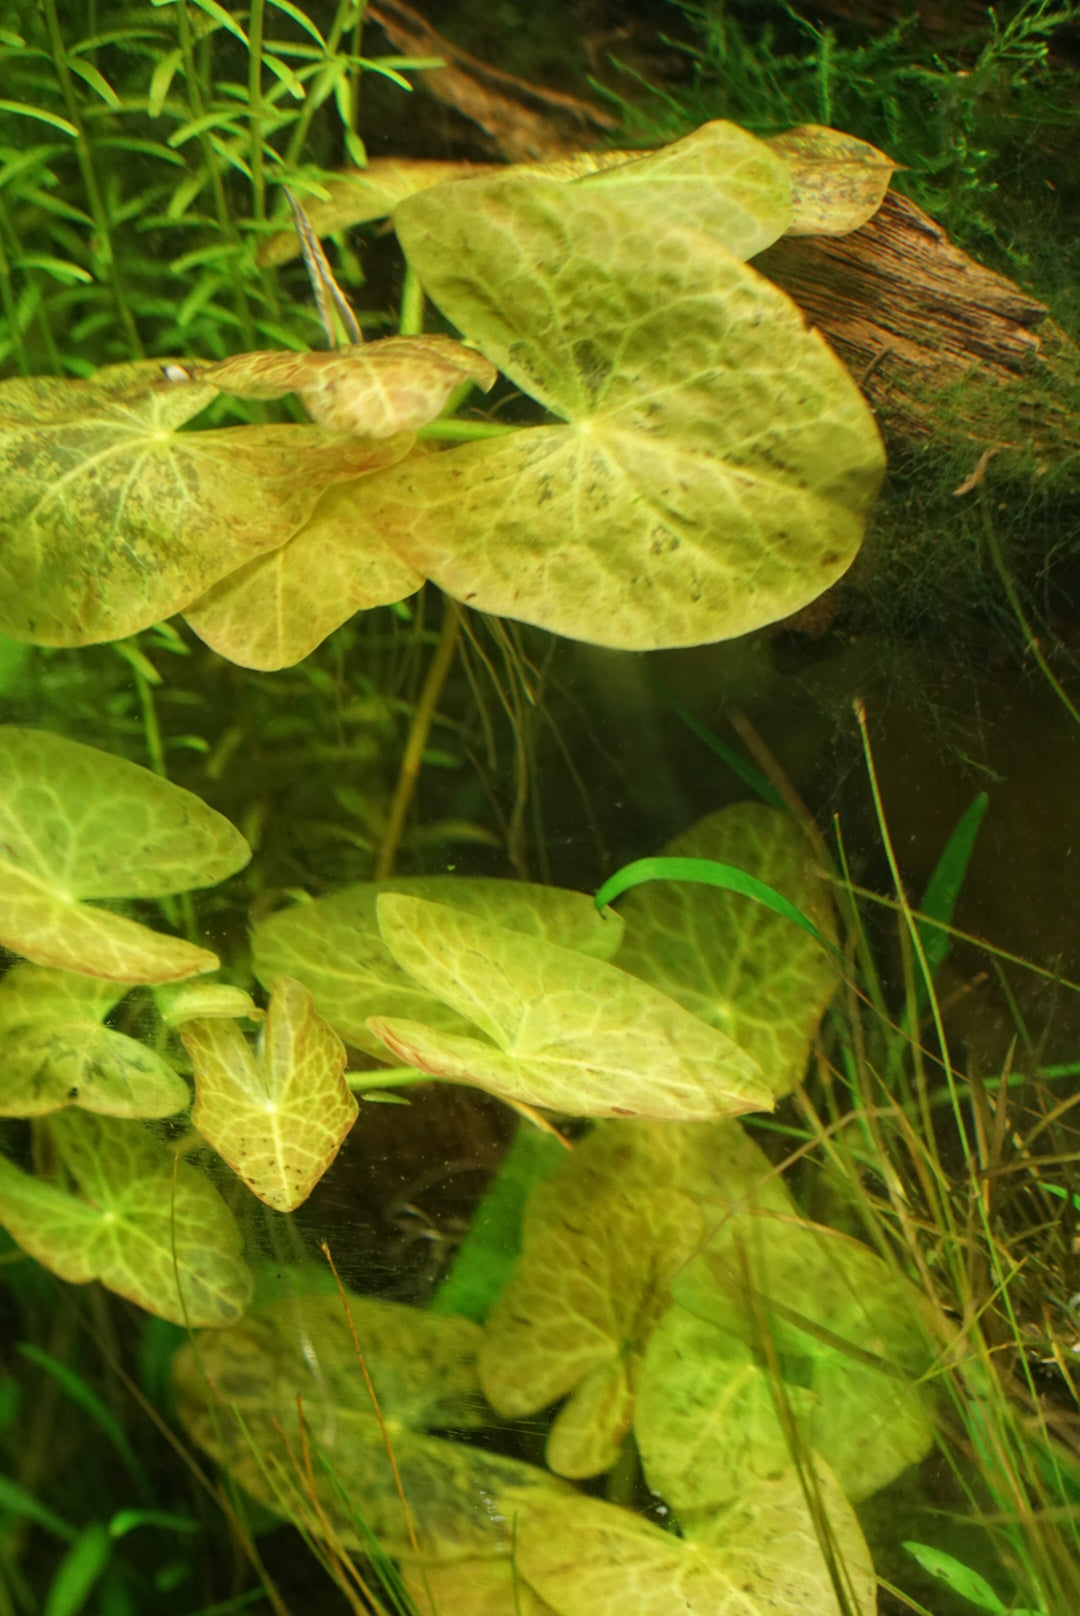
pixel 418 735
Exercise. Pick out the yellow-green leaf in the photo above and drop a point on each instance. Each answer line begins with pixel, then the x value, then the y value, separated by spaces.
pixel 149 1227
pixel 204 1001
pixel 566 1032
pixel 371 391
pixel 333 945
pixel 54 1051
pixel 275 610
pixel 277 1114
pixel 838 182
pixel 717 460
pixel 732 962
pixel 113 519
pixel 77 824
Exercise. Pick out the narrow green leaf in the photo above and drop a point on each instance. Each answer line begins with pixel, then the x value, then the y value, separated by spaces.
pixel 740 766
pixel 18 1501
pixel 126 1520
pixel 24 111
pixel 78 1571
pixel 61 269
pixel 199 126
pixel 956 1575
pixel 281 70
pixel 88 1400
pixel 161 80
pixel 300 19
pixel 943 887
pixel 710 874
pixel 96 80
pixel 222 18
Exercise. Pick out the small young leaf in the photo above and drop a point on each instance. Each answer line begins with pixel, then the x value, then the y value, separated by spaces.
pixel 957 1576
pixel 277 1115
pixel 78 1571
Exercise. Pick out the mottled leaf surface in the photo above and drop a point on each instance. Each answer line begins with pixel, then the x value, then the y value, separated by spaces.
pixel 572 1034
pixel 76 824
pixel 278 1113
pixel 838 182
pixel 846 1328
pixel 113 519
pixel 717 460
pixel 154 1230
pixel 422 1367
pixel 605 1235
pixel 274 611
pixel 55 1052
pixel 333 946
pixel 373 390
pixel 732 962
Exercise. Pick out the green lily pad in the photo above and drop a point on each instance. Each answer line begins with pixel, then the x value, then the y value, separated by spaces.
pixel 839 182
pixel 605 1235
pixel 54 1051
pixel 603 1561
pixel 566 1032
pixel 717 461
pixel 375 390
pixel 278 1114
pixel 113 519
pixel 727 182
pixel 274 611
pixel 845 1328
pixel 76 824
pixel 730 961
pixel 462 1499
pixel 149 1227
pixel 333 946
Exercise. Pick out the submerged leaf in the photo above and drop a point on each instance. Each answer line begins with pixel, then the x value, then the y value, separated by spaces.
pixel 76 823
pixel 147 1225
pixel 422 1367
pixel 377 390
pixel 204 1000
pixel 333 946
pixel 272 612
pixel 839 182
pixel 717 461
pixel 54 1051
pixel 737 965
pixel 605 1236
pixel 568 1033
pixel 278 1115
pixel 113 520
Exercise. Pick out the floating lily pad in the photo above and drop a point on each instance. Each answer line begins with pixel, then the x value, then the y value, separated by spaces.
pixel 844 1326
pixel 374 390
pixel 566 1032
pixel 149 1227
pixel 333 946
pixel 55 1052
pixel 838 182
pixel 732 962
pixel 605 1235
pixel 717 461
pixel 113 519
pixel 277 1114
pixel 76 824
pixel 272 612
pixel 462 1499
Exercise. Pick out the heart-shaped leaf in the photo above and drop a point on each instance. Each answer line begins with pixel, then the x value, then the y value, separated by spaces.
pixel 54 1051
pixel 717 461
pixel 739 966
pixel 238 1400
pixel 279 1114
pixel 567 1032
pixel 113 520
pixel 844 1326
pixel 838 182
pixel 333 946
pixel 605 1235
pixel 148 1226
pixel 75 824
pixel 272 612
pixel 375 390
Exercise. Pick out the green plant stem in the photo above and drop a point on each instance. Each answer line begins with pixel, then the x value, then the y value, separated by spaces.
pixel 314 99
pixel 1030 637
pixel 11 313
pixel 411 318
pixel 255 53
pixel 418 735
pixel 102 246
